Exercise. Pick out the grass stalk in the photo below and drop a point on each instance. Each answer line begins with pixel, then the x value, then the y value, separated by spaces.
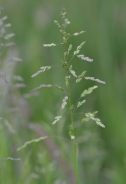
pixel 66 63
pixel 75 152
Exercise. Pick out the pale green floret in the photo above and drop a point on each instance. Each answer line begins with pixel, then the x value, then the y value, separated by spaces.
pixel 78 48
pixel 64 103
pixel 49 45
pixel 80 76
pixel 70 48
pixel 57 118
pixel 85 58
pixel 78 33
pixel 93 79
pixel 91 116
pixel 76 52
pixel 88 91
pixel 81 103
pixel 78 80
pixel 72 71
pixel 43 69
pixel 67 21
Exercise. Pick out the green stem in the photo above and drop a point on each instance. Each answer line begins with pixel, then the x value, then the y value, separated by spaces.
pixel 73 141
pixel 75 151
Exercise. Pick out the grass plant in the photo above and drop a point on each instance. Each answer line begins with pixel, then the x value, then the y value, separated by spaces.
pixel 71 79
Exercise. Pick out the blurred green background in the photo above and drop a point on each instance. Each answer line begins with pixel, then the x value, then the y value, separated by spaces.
pixel 102 152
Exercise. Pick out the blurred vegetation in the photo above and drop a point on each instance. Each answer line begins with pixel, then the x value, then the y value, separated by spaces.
pixel 26 115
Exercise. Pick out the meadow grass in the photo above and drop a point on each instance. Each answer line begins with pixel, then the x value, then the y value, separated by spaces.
pixel 70 76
